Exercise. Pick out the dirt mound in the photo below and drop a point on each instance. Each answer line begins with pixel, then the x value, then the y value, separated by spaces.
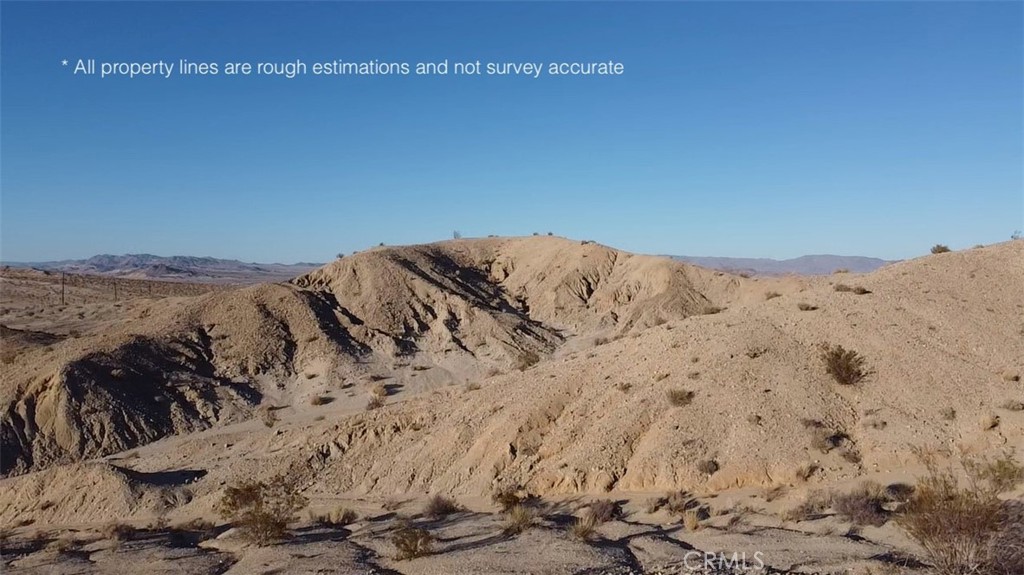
pixel 464 307
pixel 97 491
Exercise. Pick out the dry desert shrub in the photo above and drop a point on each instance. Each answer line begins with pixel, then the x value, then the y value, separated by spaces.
pixel 806 307
pixel 472 386
pixel 519 519
pixel 812 507
pixel 692 518
pixel 999 474
pixel 844 365
pixel 116 531
pixel 338 517
pixel 861 290
pixel 772 295
pixel 967 528
pixel 318 400
pixel 584 528
pixel 262 511
pixel 440 506
pixel 899 492
pixel 842 288
pixel 604 510
pixel 653 504
pixel 680 397
pixel 863 506
pixel 507 498
pixel 940 249
pixel 948 413
pixel 375 402
pixel 412 542
pixel 708 467
pixel 989 422
pixel 679 502
pixel 711 310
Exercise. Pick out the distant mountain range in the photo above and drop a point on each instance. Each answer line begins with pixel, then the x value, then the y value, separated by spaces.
pixel 803 265
pixel 181 268
pixel 213 270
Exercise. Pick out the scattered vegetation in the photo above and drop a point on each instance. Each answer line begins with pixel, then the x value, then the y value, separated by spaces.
pixel 338 517
pixel 756 352
pixel 711 310
pixel 661 376
pixel 812 507
pixel 864 505
pixel 708 467
pixel 680 397
pixel 692 518
pixel 117 531
pixel 375 402
pixel 412 542
pixel 317 400
pixel 584 528
pixel 262 511
pixel 805 471
pixel 507 498
pixel 845 366
pixel 967 528
pixel 1000 474
pixel 440 506
pixel 948 413
pixel 604 510
pixel 858 290
pixel 772 295
pixel 989 422
pixel 518 519
pixel 940 249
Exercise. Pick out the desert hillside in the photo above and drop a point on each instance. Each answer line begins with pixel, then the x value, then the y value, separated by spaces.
pixel 458 309
pixel 555 369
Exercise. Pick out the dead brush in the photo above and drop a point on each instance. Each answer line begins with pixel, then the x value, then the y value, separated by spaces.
pixel 845 366
pixel 262 511
pixel 518 519
pixel 680 397
pixel 440 506
pixel 337 517
pixel 411 542
pixel 954 525
pixel 604 510
pixel 117 531
pixel 506 498
pixel 584 528
pixel 865 505
pixel 812 507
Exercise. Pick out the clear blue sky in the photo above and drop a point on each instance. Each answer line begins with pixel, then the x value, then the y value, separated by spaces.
pixel 738 129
